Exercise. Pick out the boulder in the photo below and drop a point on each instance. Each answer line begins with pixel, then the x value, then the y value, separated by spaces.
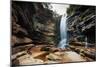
pixel 29 60
pixel 53 56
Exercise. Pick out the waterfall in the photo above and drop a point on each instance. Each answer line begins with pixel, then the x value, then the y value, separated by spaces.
pixel 63 32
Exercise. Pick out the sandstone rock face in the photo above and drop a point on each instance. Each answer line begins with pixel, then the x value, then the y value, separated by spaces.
pixel 81 23
pixel 16 40
pixel 35 25
pixel 74 57
pixel 52 56
pixel 29 60
pixel 31 24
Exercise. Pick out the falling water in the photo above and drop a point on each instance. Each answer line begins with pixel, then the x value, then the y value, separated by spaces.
pixel 86 45
pixel 63 32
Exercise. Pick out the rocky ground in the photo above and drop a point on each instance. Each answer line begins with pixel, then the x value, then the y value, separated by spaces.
pixel 49 54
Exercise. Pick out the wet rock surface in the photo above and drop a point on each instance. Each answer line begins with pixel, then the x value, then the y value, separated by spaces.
pixel 45 57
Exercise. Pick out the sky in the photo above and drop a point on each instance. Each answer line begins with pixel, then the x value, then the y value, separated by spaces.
pixel 59 8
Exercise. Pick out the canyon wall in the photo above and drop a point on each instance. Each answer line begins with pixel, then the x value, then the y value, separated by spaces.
pixel 82 23
pixel 32 24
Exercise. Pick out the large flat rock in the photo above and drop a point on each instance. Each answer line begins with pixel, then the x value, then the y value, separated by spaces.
pixel 74 57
